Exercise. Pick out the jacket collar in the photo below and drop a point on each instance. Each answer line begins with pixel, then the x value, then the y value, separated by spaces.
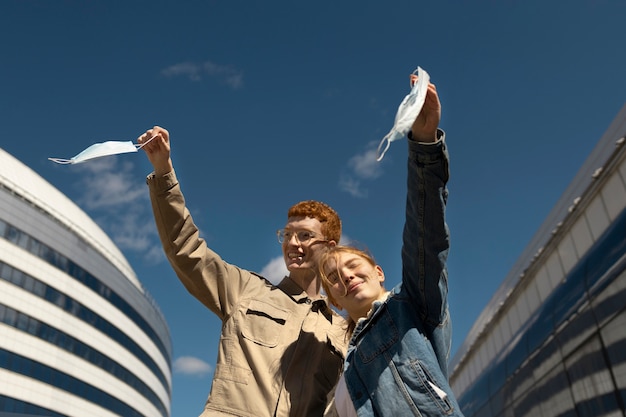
pixel 293 290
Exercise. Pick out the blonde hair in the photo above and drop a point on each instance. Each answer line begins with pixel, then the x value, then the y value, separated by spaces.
pixel 334 253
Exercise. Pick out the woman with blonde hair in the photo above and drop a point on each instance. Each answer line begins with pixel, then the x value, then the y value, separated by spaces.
pixel 397 359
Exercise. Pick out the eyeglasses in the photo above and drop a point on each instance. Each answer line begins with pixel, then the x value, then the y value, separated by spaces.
pixel 302 236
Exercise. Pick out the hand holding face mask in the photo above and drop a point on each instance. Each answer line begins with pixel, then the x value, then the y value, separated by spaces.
pixel 407 112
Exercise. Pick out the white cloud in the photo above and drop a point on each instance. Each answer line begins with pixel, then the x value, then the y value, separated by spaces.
pixel 275 270
pixel 107 184
pixel 154 254
pixel 117 198
pixel 134 232
pixel 352 187
pixel 189 365
pixel 188 69
pixel 365 165
pixel 345 239
pixel 362 166
pixel 196 71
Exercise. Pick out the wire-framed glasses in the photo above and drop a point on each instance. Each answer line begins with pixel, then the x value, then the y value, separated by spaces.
pixel 302 236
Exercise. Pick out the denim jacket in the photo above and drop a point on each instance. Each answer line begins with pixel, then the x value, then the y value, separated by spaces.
pixel 397 361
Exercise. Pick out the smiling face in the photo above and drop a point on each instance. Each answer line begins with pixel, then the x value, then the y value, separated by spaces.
pixel 352 280
pixel 301 251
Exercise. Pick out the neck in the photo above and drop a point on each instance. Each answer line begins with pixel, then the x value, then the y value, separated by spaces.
pixel 355 315
pixel 367 310
pixel 308 281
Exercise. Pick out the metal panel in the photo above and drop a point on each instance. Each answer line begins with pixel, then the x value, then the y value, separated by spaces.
pixel 542 280
pixel 567 253
pixel 614 196
pixel 613 338
pixel 581 236
pixel 590 380
pixel 597 217
pixel 532 296
pixel 555 270
pixel 513 314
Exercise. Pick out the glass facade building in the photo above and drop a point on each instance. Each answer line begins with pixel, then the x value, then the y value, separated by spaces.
pixel 79 335
pixel 552 340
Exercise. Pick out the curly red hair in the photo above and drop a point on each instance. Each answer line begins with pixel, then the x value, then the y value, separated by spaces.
pixel 331 223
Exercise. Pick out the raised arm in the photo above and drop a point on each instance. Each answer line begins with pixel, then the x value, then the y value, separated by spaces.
pixel 425 236
pixel 215 283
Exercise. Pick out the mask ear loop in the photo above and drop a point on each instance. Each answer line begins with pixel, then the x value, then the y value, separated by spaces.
pixel 61 161
pixel 139 146
pixel 386 143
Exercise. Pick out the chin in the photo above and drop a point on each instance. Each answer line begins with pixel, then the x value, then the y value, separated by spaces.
pixel 299 267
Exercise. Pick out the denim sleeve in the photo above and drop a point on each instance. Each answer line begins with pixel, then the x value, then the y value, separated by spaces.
pixel 426 239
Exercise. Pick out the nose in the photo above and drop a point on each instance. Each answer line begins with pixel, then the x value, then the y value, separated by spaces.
pixel 294 236
pixel 347 275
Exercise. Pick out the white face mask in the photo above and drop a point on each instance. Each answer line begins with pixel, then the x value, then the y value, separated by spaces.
pixel 407 112
pixel 98 150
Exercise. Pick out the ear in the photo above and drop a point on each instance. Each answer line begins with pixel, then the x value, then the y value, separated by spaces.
pixel 380 274
pixel 332 243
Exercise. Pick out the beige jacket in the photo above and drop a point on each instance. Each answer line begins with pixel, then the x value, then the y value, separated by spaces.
pixel 280 354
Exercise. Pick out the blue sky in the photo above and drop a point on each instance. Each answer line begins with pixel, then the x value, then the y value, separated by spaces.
pixel 270 103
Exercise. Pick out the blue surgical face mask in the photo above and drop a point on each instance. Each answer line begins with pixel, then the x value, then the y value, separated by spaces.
pixel 407 112
pixel 98 150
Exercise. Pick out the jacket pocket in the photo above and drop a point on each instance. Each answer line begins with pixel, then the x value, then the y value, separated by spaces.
pixel 263 323
pixel 431 389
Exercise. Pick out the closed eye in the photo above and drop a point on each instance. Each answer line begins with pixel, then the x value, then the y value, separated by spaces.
pixel 333 278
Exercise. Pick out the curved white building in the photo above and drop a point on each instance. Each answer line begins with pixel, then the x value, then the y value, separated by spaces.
pixel 79 335
pixel 552 340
